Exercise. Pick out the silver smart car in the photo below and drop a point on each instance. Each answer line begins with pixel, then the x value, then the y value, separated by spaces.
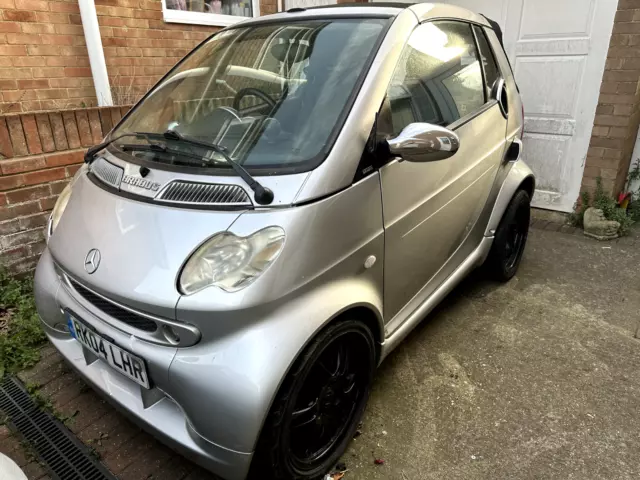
pixel 231 265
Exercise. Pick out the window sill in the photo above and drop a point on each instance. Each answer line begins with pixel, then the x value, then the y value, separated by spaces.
pixel 197 18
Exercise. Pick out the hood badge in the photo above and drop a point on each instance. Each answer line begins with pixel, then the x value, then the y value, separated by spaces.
pixel 92 261
pixel 140 182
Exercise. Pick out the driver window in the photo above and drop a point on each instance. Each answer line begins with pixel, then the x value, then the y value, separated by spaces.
pixel 438 78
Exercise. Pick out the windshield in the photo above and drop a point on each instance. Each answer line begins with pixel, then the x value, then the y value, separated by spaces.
pixel 271 95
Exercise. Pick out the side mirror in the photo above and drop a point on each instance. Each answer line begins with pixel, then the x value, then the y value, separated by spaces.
pixel 424 142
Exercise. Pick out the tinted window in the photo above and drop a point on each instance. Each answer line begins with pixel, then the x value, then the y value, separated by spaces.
pixel 488 60
pixel 438 78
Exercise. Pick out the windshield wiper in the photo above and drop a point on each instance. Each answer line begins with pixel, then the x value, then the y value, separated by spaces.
pixel 161 148
pixel 90 155
pixel 262 195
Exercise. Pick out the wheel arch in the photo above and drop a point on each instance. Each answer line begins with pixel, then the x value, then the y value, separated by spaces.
pixel 520 177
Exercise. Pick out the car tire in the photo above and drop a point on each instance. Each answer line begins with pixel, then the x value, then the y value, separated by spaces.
pixel 510 239
pixel 337 366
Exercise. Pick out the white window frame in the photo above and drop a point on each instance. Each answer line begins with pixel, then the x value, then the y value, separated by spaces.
pixel 200 18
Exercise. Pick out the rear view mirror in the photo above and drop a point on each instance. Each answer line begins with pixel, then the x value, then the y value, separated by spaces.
pixel 424 142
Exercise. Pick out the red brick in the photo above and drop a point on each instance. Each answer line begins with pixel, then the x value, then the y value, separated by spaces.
pixel 75 19
pixel 600 131
pixel 9 27
pixel 77 72
pixel 70 29
pixel 31 133
pixel 616 99
pixel 72 169
pixel 631 63
pixel 59 135
pixel 609 87
pixel 46 135
pixel 64 7
pixel 16 211
pixel 612 120
pixel 26 265
pixel 3 199
pixel 12 255
pixel 19 16
pixel 57 187
pixel 627 87
pixel 622 109
pixel 22 238
pixel 64 158
pixel 23 39
pixel 28 194
pixel 13 50
pixel 613 153
pixel 37 28
pixel 41 5
pixel 28 84
pixel 36 249
pixel 20 165
pixel 10 226
pixel 47 203
pixel 33 221
pixel 45 176
pixel 618 132
pixel 29 61
pixel 52 17
pixel 71 127
pixel 16 133
pixel 6 149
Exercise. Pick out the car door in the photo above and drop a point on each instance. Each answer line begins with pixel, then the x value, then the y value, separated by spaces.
pixel 430 208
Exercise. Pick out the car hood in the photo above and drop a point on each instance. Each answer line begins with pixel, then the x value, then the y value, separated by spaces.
pixel 142 245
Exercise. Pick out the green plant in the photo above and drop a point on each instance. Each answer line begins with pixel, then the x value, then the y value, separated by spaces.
pixel 20 332
pixel 610 208
pixel 576 218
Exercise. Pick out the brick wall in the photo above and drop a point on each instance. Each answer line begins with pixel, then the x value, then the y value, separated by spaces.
pixel 43 57
pixel 39 153
pixel 618 114
pixel 139 46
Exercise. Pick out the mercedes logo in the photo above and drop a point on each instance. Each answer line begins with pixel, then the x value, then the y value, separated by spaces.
pixel 92 260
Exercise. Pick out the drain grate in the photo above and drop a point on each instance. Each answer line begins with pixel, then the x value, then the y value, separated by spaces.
pixel 65 456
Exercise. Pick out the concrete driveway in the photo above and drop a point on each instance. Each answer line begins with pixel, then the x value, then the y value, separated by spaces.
pixel 535 379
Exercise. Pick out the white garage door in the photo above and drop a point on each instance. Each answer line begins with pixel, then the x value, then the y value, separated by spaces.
pixel 558 50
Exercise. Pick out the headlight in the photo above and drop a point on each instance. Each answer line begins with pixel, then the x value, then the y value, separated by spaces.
pixel 62 201
pixel 231 262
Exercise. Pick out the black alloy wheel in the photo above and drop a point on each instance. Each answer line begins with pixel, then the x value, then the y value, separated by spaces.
pixel 319 406
pixel 510 238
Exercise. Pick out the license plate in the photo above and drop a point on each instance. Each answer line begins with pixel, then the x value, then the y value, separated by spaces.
pixel 124 362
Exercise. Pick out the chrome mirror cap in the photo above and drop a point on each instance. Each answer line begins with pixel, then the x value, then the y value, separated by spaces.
pixel 424 142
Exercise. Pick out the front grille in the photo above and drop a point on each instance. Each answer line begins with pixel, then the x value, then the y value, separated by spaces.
pixel 107 172
pixel 121 314
pixel 204 194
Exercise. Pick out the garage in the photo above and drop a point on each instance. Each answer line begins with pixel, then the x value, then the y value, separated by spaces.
pixel 558 50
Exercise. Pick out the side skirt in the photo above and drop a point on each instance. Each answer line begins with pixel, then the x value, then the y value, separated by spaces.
pixel 474 260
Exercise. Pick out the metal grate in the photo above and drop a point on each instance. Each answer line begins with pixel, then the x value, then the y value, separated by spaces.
pixel 113 310
pixel 107 172
pixel 204 194
pixel 64 455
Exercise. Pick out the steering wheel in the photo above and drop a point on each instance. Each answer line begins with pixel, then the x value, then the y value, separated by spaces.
pixel 252 91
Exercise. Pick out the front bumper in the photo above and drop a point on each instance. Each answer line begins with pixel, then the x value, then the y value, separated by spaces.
pixel 154 410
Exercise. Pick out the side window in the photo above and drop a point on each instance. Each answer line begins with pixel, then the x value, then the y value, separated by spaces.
pixel 491 71
pixel 438 78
